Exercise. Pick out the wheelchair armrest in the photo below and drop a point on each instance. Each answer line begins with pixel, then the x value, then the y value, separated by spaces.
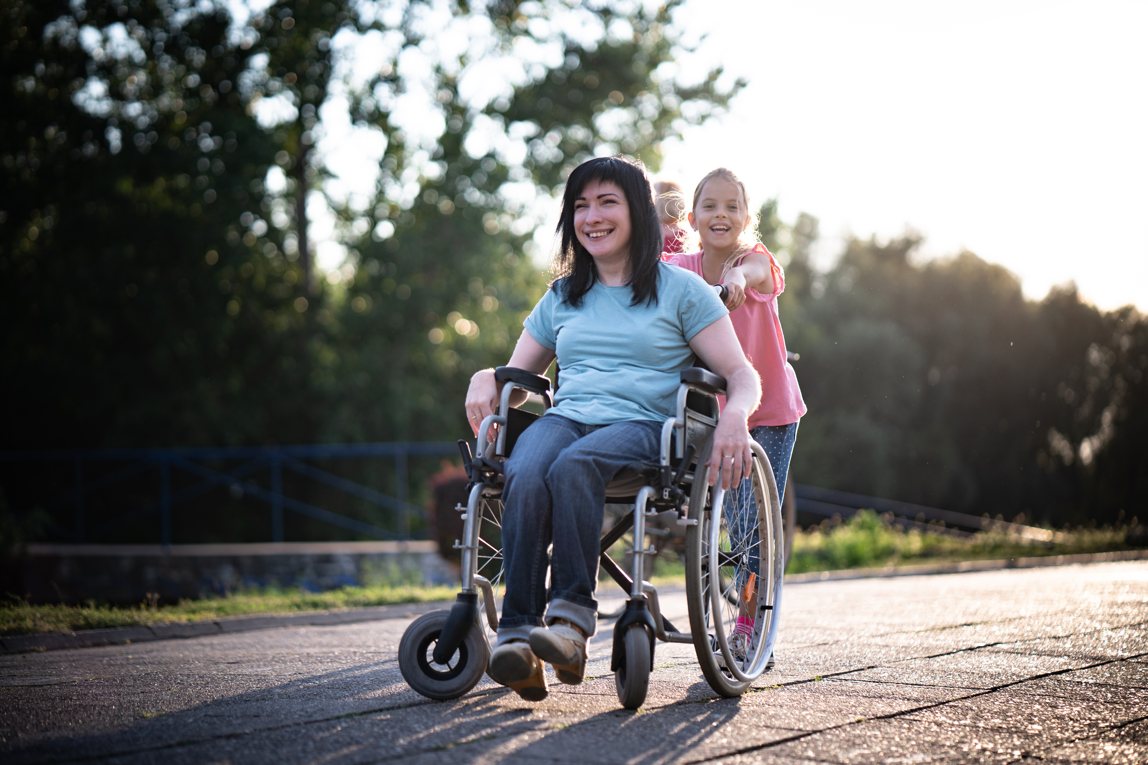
pixel 534 383
pixel 515 420
pixel 703 379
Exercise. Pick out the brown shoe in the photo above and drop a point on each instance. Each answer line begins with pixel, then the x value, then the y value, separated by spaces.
pixel 516 667
pixel 564 646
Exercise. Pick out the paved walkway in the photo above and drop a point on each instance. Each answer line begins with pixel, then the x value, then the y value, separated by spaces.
pixel 1010 666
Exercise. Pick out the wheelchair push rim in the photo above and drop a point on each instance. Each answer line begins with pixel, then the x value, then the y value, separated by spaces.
pixel 719 586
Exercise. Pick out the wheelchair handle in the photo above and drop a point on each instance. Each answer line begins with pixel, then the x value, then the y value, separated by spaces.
pixel 722 291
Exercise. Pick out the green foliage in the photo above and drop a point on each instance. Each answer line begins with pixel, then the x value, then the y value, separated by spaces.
pixel 938 383
pixel 135 303
pixel 869 540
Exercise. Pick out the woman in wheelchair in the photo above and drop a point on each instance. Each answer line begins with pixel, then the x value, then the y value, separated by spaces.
pixel 622 325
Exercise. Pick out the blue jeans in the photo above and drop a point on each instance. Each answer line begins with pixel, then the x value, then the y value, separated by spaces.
pixel 777 441
pixel 554 500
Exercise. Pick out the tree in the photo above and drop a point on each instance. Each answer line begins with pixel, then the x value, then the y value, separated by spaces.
pixel 1116 458
pixel 445 270
pixel 135 298
pixel 163 160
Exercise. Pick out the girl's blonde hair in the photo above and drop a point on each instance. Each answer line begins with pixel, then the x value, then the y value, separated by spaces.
pixel 670 201
pixel 748 236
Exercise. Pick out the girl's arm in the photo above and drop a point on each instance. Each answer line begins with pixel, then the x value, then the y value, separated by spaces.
pixel 731 457
pixel 482 395
pixel 755 271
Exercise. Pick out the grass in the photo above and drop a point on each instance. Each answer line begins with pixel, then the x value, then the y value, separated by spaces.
pixel 18 617
pixel 865 541
pixel 868 540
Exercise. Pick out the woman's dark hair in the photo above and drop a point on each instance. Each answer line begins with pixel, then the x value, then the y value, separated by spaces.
pixel 575 266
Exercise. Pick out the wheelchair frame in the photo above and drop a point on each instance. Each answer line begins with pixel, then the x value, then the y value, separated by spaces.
pixel 444 653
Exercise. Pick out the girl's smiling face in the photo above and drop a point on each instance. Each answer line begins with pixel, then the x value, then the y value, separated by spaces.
pixel 720 215
pixel 602 222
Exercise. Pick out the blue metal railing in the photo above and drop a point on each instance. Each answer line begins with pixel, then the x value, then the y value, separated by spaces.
pixel 111 494
pixel 270 475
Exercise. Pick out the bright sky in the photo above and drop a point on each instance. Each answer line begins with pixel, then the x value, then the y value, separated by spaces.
pixel 1016 129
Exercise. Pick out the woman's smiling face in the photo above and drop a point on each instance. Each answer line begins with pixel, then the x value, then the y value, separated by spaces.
pixel 602 221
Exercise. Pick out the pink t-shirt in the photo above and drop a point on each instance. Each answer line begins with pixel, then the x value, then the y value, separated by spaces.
pixel 759 329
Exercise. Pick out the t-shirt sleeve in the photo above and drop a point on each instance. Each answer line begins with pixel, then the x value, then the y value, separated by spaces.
pixel 540 322
pixel 701 305
pixel 775 271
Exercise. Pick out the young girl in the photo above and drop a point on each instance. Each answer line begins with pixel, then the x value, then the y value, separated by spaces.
pixel 622 325
pixel 731 255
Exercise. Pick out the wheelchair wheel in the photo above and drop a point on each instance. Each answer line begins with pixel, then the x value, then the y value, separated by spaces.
pixel 481 552
pixel 488 562
pixel 632 678
pixel 441 681
pixel 734 532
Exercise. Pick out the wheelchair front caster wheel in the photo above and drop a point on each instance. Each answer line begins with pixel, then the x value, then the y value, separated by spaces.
pixel 632 678
pixel 441 681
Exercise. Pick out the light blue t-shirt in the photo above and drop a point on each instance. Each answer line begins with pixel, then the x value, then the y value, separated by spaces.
pixel 617 361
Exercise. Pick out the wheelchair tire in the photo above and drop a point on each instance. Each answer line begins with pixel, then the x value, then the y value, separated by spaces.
pixel 632 678
pixel 441 681
pixel 488 560
pixel 718 551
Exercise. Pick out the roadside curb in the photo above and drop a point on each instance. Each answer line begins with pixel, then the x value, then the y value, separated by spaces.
pixel 54 641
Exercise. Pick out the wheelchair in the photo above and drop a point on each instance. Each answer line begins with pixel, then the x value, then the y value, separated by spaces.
pixel 734 556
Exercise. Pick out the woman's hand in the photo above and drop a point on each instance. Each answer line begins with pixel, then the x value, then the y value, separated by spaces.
pixel 481 397
pixel 731 458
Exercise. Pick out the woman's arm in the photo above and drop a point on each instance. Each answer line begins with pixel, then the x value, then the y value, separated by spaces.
pixel 482 395
pixel 731 456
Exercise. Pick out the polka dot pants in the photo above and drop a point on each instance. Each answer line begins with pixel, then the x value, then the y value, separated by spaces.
pixel 777 441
